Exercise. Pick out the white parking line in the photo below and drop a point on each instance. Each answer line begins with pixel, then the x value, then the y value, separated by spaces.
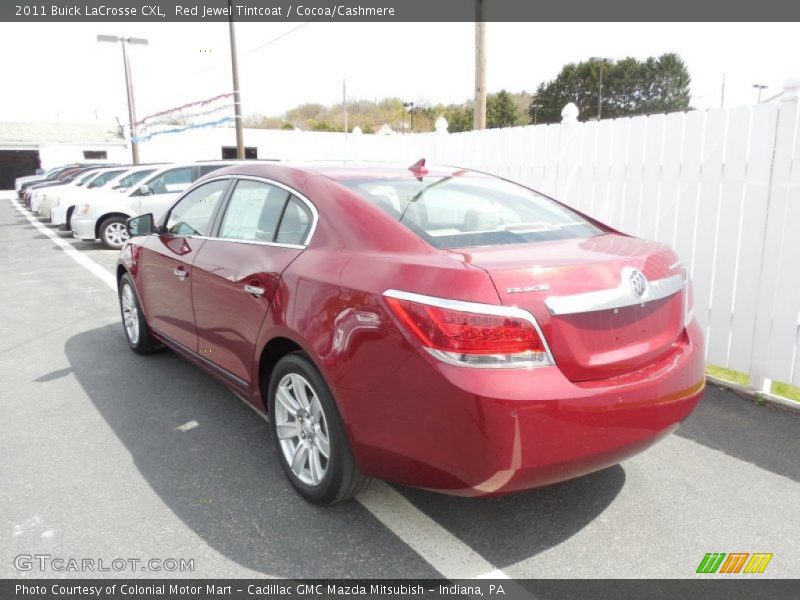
pixel 440 548
pixel 87 263
pixel 436 545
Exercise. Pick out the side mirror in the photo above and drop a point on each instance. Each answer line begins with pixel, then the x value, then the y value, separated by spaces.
pixel 144 190
pixel 40 171
pixel 141 225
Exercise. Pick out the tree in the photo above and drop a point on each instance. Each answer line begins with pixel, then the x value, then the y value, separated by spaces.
pixel 459 117
pixel 501 110
pixel 630 87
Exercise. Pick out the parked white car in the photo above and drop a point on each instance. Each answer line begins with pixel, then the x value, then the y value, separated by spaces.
pixel 40 176
pixel 89 180
pixel 104 216
pixel 38 195
pixel 64 205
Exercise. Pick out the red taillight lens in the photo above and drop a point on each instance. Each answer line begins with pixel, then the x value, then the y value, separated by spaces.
pixel 471 337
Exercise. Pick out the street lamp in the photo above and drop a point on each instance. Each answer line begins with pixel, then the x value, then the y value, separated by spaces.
pixel 409 106
pixel 760 87
pixel 602 61
pixel 128 84
pixel 535 108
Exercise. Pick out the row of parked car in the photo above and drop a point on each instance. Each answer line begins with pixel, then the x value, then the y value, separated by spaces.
pixel 94 200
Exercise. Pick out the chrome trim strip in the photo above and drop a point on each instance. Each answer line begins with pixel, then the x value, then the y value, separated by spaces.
pixel 618 297
pixel 477 307
pixel 294 192
pixel 522 363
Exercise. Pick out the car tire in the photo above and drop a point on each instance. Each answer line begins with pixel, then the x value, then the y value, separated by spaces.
pixel 305 436
pixel 113 232
pixel 137 332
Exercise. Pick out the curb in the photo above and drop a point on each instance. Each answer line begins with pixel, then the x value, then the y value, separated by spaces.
pixel 762 398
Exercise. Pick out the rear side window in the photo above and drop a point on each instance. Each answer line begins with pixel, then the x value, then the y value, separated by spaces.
pixel 295 223
pixel 193 214
pixel 254 212
pixel 462 211
pixel 206 169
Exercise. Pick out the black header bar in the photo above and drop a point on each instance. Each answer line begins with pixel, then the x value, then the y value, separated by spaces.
pixel 396 10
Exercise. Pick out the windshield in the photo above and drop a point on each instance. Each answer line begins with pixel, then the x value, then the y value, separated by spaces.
pixel 461 211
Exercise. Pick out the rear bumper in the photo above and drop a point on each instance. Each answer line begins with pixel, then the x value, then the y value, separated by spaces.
pixel 482 431
pixel 83 227
pixel 44 208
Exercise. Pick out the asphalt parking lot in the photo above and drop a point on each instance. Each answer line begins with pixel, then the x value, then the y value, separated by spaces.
pixel 105 454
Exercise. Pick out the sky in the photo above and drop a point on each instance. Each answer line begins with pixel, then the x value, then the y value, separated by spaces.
pixel 59 72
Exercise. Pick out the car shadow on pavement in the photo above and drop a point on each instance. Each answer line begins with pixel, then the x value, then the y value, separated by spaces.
pixel 223 480
pixel 761 435
pixel 508 529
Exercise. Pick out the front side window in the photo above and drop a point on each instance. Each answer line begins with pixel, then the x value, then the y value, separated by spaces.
pixel 87 178
pixel 254 212
pixel 134 178
pixel 460 211
pixel 193 214
pixel 172 181
pixel 104 178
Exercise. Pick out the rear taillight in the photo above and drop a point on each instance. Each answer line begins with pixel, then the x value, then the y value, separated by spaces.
pixel 468 333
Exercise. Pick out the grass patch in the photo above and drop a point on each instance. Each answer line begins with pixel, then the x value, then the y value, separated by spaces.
pixel 779 389
pixel 728 375
pixel 787 391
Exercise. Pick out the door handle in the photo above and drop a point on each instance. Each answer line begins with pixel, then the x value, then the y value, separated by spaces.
pixel 254 290
pixel 180 273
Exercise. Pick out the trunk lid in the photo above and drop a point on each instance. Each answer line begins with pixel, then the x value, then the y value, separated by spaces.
pixel 599 316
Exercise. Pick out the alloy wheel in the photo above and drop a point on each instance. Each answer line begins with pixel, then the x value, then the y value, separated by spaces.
pixel 130 314
pixel 116 234
pixel 302 429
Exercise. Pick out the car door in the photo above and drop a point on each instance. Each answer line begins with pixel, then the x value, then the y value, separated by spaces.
pixel 166 263
pixel 263 228
pixel 162 190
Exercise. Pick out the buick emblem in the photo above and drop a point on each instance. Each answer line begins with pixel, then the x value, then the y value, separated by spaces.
pixel 638 283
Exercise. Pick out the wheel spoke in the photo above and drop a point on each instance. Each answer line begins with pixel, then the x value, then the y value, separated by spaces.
pixel 287 401
pixel 315 466
pixel 299 389
pixel 289 430
pixel 316 408
pixel 300 458
pixel 321 438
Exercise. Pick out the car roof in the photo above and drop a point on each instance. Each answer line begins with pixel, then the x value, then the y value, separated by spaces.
pixel 344 170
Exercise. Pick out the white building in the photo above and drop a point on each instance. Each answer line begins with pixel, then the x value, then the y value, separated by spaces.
pixel 25 147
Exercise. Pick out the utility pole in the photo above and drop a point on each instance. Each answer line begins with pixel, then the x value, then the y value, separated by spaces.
pixel 480 68
pixel 128 85
pixel 237 97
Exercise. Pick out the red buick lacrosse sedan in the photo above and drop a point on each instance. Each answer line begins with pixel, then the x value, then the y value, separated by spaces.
pixel 434 327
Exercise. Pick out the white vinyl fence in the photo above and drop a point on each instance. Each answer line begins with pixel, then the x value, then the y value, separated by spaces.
pixel 719 186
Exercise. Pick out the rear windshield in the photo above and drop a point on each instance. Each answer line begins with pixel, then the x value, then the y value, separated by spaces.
pixel 465 211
